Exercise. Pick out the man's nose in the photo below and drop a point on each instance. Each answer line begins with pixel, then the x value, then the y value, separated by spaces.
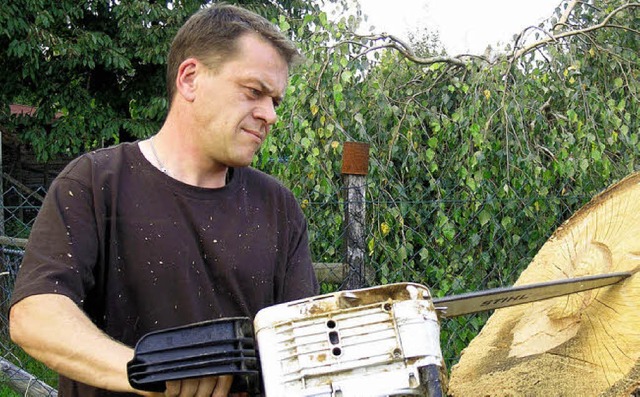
pixel 266 111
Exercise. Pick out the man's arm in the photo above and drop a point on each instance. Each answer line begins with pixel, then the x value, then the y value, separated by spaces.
pixel 54 330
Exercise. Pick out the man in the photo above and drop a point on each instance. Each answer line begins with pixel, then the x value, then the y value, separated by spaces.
pixel 172 230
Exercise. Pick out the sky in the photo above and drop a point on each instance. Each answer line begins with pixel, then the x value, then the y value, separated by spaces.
pixel 465 26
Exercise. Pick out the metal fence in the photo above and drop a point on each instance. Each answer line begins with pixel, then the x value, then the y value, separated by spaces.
pixel 20 206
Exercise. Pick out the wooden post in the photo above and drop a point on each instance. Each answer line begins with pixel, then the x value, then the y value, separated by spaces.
pixel 1 191
pixel 2 226
pixel 15 241
pixel 355 166
pixel 23 382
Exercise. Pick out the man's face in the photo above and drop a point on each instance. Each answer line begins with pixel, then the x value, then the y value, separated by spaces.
pixel 235 106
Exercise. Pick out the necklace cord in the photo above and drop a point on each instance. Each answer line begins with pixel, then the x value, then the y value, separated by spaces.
pixel 164 169
pixel 155 155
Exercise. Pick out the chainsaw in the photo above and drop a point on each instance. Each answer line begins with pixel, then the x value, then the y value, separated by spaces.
pixel 377 341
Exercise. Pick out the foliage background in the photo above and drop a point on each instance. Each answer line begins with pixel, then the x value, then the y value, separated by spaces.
pixel 474 162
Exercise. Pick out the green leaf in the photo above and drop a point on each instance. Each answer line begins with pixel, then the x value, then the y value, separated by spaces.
pixel 484 217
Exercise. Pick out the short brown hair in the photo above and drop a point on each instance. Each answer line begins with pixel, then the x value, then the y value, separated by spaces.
pixel 211 36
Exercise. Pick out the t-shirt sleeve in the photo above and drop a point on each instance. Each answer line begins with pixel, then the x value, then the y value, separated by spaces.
pixel 62 248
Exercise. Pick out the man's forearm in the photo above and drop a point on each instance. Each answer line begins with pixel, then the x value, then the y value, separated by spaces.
pixel 54 330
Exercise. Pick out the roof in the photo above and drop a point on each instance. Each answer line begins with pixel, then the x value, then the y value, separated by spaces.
pixel 22 109
pixel 27 110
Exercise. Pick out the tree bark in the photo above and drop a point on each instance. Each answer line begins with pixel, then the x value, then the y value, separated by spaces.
pixel 584 344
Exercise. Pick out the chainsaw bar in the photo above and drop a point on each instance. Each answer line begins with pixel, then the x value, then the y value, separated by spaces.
pixel 474 302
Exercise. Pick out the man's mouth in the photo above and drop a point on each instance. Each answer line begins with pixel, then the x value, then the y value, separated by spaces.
pixel 257 134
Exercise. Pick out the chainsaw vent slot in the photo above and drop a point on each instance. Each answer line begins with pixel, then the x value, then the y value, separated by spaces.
pixel 336 351
pixel 334 338
pixel 331 324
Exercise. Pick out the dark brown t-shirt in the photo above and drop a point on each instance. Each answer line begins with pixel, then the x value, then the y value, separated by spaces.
pixel 139 251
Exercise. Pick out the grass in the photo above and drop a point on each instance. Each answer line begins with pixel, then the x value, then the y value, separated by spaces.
pixel 6 391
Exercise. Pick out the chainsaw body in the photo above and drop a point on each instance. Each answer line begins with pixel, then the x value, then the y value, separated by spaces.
pixel 370 342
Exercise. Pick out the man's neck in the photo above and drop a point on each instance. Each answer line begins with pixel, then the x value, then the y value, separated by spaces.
pixel 179 158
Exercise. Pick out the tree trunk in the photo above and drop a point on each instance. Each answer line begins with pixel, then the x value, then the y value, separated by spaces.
pixel 584 344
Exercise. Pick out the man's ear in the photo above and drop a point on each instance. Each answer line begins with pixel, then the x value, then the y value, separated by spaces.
pixel 186 79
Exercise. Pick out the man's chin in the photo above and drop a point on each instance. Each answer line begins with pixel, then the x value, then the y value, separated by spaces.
pixel 243 157
pixel 241 162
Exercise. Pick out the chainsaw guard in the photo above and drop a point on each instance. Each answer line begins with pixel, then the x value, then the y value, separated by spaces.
pixel 210 348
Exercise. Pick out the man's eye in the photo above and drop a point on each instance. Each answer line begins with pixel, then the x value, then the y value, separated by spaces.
pixel 255 92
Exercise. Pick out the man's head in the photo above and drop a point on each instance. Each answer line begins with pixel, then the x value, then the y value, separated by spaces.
pixel 211 36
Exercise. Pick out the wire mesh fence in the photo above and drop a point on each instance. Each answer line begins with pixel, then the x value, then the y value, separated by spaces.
pixel 19 374
pixel 410 246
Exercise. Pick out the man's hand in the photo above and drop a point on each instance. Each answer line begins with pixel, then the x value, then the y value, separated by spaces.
pixel 200 387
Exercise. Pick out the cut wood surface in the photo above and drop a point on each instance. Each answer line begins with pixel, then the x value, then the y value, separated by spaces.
pixel 584 344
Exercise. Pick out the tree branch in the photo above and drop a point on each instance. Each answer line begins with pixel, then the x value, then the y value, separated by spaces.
pixel 563 35
pixel 565 15
pixel 393 42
